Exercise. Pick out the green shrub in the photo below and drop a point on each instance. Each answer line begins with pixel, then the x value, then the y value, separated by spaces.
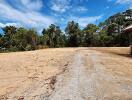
pixel 28 48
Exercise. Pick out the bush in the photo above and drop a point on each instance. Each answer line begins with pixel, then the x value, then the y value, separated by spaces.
pixel 42 47
pixel 28 48
pixel 13 49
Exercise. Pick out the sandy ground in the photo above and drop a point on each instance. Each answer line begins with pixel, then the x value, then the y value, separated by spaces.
pixel 30 75
pixel 67 74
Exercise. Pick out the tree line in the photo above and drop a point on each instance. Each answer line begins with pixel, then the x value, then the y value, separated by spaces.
pixel 108 33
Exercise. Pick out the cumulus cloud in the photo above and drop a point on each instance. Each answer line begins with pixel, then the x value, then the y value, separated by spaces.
pixel 81 9
pixel 60 5
pixel 124 1
pixel 32 4
pixel 8 24
pixel 83 21
pixel 28 13
pixel 127 2
pixel 26 18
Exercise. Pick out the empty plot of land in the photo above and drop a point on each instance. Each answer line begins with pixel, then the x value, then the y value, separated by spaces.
pixel 67 74
pixel 29 74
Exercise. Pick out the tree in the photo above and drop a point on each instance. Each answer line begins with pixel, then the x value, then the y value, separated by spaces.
pixel 89 32
pixel 73 31
pixel 0 35
pixel 44 31
pixel 107 33
pixel 105 40
pixel 53 36
pixel 9 30
pixel 112 29
pixel 32 37
pixel 25 39
pixel 1 41
pixel 19 39
pixel 127 23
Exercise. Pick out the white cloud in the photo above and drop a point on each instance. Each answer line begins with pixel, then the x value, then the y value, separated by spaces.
pixel 124 1
pixel 60 6
pixel 127 2
pixel 83 21
pixel 26 18
pixel 32 4
pixel 81 9
pixel 34 19
pixel 8 24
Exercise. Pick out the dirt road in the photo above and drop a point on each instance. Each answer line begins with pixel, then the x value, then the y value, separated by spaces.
pixel 78 74
pixel 92 84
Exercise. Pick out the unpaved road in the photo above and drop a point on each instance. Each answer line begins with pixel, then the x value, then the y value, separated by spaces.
pixel 79 74
pixel 94 83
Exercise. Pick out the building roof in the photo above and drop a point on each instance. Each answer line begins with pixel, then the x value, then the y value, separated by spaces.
pixel 129 28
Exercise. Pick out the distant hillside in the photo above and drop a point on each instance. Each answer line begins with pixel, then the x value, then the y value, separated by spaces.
pixel 123 19
pixel 117 22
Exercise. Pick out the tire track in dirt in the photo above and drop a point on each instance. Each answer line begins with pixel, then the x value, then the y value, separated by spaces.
pixel 75 84
pixel 94 84
pixel 84 77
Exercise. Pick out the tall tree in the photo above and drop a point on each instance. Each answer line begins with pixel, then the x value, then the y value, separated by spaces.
pixel 112 29
pixel 9 30
pixel 7 38
pixel 89 32
pixel 53 36
pixel 73 31
pixel 25 39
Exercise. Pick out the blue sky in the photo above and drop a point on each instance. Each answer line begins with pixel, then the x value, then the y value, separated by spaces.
pixel 41 13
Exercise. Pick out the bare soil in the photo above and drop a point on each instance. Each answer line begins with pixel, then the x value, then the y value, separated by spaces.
pixel 67 74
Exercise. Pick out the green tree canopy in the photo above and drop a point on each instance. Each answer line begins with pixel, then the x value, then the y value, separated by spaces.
pixel 73 31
